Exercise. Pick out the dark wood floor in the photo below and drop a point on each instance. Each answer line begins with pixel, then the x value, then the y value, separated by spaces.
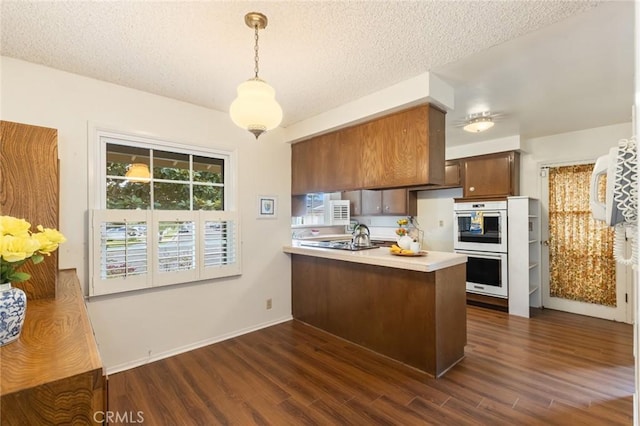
pixel 552 369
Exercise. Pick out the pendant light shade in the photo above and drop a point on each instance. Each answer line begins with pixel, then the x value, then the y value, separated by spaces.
pixel 138 172
pixel 256 109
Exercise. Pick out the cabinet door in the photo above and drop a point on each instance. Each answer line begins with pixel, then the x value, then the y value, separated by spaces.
pixel 452 173
pixel 394 201
pixel 371 202
pixel 342 171
pixel 301 168
pixel 491 175
pixel 395 151
pixel 355 201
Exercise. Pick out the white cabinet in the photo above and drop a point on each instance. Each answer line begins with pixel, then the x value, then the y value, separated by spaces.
pixel 523 218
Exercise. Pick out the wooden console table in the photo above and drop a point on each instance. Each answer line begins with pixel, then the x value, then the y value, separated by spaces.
pixel 53 373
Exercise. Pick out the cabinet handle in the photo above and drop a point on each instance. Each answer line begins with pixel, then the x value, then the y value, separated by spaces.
pixel 386 208
pixel 472 188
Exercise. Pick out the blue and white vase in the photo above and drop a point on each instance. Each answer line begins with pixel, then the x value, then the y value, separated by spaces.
pixel 13 305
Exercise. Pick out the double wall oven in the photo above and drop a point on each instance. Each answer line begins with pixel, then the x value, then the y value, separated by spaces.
pixel 480 232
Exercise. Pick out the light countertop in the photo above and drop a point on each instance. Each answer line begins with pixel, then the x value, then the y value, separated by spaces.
pixel 433 261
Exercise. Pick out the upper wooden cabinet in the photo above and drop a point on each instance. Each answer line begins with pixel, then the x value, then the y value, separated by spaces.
pixel 399 150
pixel 452 174
pixel 491 175
pixel 355 201
pixel 397 202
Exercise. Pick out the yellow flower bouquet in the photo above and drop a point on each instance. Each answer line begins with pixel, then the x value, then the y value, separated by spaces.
pixel 18 244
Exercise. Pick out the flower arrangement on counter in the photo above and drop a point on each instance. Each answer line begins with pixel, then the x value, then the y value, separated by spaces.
pixel 402 224
pixel 408 226
pixel 18 244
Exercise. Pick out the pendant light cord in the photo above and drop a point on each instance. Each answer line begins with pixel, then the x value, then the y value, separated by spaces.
pixel 256 50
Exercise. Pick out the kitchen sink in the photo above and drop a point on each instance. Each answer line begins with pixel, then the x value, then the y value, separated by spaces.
pixel 338 245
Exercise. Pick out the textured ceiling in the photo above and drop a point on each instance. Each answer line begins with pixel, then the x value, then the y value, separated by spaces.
pixel 317 54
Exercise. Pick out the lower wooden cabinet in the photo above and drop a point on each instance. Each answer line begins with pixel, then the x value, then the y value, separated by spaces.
pixel 53 373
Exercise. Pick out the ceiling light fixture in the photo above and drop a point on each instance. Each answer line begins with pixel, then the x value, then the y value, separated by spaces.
pixel 138 172
pixel 479 122
pixel 256 109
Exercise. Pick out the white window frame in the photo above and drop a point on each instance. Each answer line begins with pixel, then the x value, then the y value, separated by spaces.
pixel 99 137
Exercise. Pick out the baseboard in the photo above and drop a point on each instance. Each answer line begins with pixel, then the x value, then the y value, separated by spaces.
pixel 166 354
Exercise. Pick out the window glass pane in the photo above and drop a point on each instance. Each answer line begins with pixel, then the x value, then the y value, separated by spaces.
pixel 124 194
pixel 171 166
pixel 208 197
pixel 177 246
pixel 120 158
pixel 124 249
pixel 171 196
pixel 208 169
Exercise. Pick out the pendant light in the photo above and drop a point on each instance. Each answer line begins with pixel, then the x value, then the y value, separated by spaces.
pixel 256 109
pixel 138 172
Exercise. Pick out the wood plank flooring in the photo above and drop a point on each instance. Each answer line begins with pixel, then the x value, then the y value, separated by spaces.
pixel 553 369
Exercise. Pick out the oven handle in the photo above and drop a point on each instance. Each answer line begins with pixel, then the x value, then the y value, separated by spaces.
pixel 493 213
pixel 484 255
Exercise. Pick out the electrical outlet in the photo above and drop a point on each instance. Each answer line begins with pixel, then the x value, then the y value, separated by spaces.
pixel 441 223
pixel 269 303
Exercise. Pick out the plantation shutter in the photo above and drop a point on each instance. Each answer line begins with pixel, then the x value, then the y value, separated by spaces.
pixel 120 253
pixel 136 249
pixel 220 244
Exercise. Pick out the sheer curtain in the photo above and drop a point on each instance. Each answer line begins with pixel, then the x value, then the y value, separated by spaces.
pixel 582 267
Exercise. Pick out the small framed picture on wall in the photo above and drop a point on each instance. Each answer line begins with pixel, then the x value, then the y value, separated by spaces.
pixel 267 207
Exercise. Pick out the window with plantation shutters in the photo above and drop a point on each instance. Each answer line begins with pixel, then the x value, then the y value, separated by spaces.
pixel 162 215
pixel 156 248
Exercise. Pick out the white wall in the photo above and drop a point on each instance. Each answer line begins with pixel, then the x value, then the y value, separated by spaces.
pixel 436 206
pixel 435 216
pixel 583 145
pixel 133 327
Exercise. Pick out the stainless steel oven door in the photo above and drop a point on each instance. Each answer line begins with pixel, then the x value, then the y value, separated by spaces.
pixel 487 273
pixel 482 230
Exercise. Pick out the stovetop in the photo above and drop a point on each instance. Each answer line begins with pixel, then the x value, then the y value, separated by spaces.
pixel 338 245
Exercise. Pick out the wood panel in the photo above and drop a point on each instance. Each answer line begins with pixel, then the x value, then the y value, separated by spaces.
pixel 552 369
pixel 394 312
pixel 29 190
pixel 53 373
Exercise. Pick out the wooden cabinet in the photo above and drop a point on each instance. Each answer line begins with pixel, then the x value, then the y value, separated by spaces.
pixel 397 202
pixel 404 149
pixel 53 373
pixel 325 163
pixel 491 175
pixel 399 150
pixel 452 175
pixel 355 201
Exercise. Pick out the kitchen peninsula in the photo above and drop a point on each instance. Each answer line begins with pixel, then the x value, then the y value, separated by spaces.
pixel 411 309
